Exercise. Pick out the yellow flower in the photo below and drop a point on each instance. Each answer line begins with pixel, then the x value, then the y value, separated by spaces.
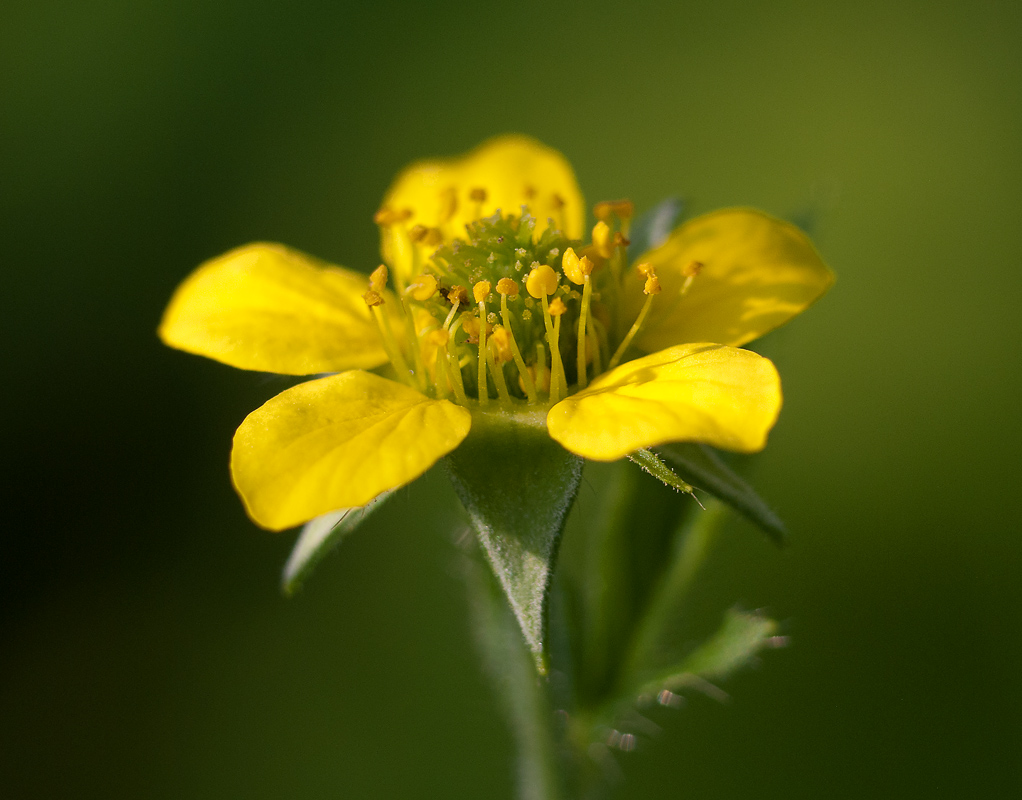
pixel 493 306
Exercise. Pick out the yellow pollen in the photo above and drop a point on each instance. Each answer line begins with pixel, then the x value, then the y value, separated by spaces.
pixel 481 290
pixel 602 239
pixel 372 298
pixel 430 237
pixel 422 288
pixel 645 269
pixel 652 284
pixel 457 294
pixel 478 195
pixel 500 342
pixel 557 307
pixel 542 281
pixel 570 266
pixel 378 278
pixel 388 216
pixel 508 287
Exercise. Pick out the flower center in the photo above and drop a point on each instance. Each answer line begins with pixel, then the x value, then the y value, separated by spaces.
pixel 504 314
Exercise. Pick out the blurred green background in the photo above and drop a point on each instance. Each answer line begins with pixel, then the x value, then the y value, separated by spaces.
pixel 146 650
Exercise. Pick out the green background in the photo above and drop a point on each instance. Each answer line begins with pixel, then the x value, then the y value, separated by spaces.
pixel 145 650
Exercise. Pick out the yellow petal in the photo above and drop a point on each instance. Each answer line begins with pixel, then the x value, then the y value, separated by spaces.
pixel 269 308
pixel 510 170
pixel 338 442
pixel 706 393
pixel 758 272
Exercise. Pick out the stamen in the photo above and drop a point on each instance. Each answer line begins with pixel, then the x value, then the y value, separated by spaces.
pixel 454 365
pixel 374 300
pixel 651 288
pixel 439 340
pixel 542 281
pixel 498 354
pixel 448 205
pixel 690 272
pixel 478 196
pixel 559 382
pixel 542 374
pixel 508 288
pixel 602 239
pixel 578 271
pixel 422 288
pixel 480 292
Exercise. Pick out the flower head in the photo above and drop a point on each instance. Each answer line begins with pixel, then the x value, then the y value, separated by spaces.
pixel 493 301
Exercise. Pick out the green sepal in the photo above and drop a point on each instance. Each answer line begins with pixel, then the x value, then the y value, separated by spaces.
pixel 652 464
pixel 735 644
pixel 699 465
pixel 517 486
pixel 319 537
pixel 651 228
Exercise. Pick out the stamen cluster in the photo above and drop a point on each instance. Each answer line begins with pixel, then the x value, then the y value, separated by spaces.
pixel 505 312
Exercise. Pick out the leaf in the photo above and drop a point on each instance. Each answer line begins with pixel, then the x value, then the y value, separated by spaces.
pixel 701 466
pixel 517 485
pixel 741 636
pixel 522 695
pixel 653 465
pixel 319 537
pixel 617 544
pixel 652 228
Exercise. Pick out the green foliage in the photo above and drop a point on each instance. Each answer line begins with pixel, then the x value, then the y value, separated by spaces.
pixel 319 537
pixel 701 466
pixel 517 485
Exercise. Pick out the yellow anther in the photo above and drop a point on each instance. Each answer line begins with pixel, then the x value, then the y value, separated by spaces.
pixel 422 288
pixel 448 204
pixel 620 240
pixel 430 237
pixel 500 343
pixel 457 294
pixel 645 269
pixel 481 291
pixel 622 209
pixel 557 307
pixel 470 324
pixel 372 298
pixel 478 195
pixel 586 265
pixel 378 278
pixel 508 287
pixel 542 281
pixel 602 239
pixel 388 216
pixel 438 338
pixel 692 269
pixel 652 284
pixel 570 267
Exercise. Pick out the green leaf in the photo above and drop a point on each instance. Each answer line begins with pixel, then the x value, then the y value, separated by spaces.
pixel 741 636
pixel 652 228
pixel 517 485
pixel 519 690
pixel 652 464
pixel 700 466
pixel 319 537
